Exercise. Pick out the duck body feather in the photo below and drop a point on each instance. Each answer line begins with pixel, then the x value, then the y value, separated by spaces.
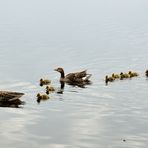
pixel 74 78
pixel 9 96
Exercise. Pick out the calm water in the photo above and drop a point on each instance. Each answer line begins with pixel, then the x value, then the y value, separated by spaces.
pixel 101 36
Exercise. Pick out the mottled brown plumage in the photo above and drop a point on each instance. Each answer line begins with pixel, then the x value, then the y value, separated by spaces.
pixel 9 96
pixel 74 78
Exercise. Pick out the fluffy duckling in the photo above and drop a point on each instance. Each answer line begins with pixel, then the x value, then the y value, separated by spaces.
pixel 133 74
pixel 115 76
pixel 43 97
pixel 44 82
pixel 109 79
pixel 49 89
pixel 146 73
pixel 124 76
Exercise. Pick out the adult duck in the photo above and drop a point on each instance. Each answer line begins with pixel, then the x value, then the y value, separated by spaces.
pixel 146 73
pixel 7 96
pixel 75 78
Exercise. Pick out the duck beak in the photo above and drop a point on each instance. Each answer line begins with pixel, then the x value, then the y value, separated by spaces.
pixel 55 70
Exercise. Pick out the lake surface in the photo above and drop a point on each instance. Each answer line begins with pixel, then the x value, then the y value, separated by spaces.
pixel 100 36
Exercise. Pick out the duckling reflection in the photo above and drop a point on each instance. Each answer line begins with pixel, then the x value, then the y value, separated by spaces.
pixel 43 97
pixel 44 82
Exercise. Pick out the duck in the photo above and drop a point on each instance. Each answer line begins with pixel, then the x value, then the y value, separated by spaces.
pixel 43 97
pixel 124 75
pixel 49 89
pixel 109 79
pixel 116 76
pixel 146 73
pixel 44 82
pixel 8 96
pixel 74 78
pixel 132 74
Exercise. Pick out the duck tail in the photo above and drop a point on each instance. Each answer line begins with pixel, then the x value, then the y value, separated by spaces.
pixel 87 77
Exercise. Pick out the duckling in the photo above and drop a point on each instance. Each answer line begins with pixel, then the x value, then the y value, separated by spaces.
pixel 123 76
pixel 146 73
pixel 44 82
pixel 43 97
pixel 109 79
pixel 132 74
pixel 49 89
pixel 116 76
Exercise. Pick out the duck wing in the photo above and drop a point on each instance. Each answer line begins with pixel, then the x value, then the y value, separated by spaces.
pixel 81 74
pixel 70 77
pixel 10 96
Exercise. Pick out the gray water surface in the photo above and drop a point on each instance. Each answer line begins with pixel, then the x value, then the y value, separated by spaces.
pixel 100 36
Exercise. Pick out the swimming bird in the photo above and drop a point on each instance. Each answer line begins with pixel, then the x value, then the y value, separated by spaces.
pixel 109 79
pixel 124 75
pixel 43 97
pixel 44 82
pixel 7 96
pixel 49 89
pixel 116 76
pixel 146 73
pixel 74 78
pixel 132 74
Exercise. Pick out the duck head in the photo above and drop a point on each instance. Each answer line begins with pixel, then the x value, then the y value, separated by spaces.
pixel 61 71
pixel 38 95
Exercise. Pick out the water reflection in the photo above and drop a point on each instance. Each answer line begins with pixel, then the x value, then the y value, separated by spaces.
pixel 14 104
pixel 61 90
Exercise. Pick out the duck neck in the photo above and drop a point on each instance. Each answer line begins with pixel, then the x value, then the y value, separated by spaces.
pixel 62 75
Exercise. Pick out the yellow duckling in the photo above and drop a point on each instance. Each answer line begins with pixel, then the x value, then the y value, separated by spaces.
pixel 124 76
pixel 115 76
pixel 109 79
pixel 50 89
pixel 133 74
pixel 44 82
pixel 43 97
pixel 146 72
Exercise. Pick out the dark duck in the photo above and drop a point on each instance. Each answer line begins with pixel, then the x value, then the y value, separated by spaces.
pixel 146 73
pixel 76 78
pixel 10 99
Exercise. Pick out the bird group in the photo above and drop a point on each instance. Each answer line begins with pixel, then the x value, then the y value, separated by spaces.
pixel 49 89
pixel 122 76
pixel 79 79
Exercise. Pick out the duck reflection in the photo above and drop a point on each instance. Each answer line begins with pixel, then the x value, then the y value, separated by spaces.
pixel 61 90
pixel 81 85
pixel 14 104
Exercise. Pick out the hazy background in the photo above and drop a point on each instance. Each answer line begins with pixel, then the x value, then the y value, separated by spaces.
pixel 103 36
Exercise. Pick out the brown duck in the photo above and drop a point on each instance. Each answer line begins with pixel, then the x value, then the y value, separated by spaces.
pixel 146 73
pixel 74 78
pixel 7 96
